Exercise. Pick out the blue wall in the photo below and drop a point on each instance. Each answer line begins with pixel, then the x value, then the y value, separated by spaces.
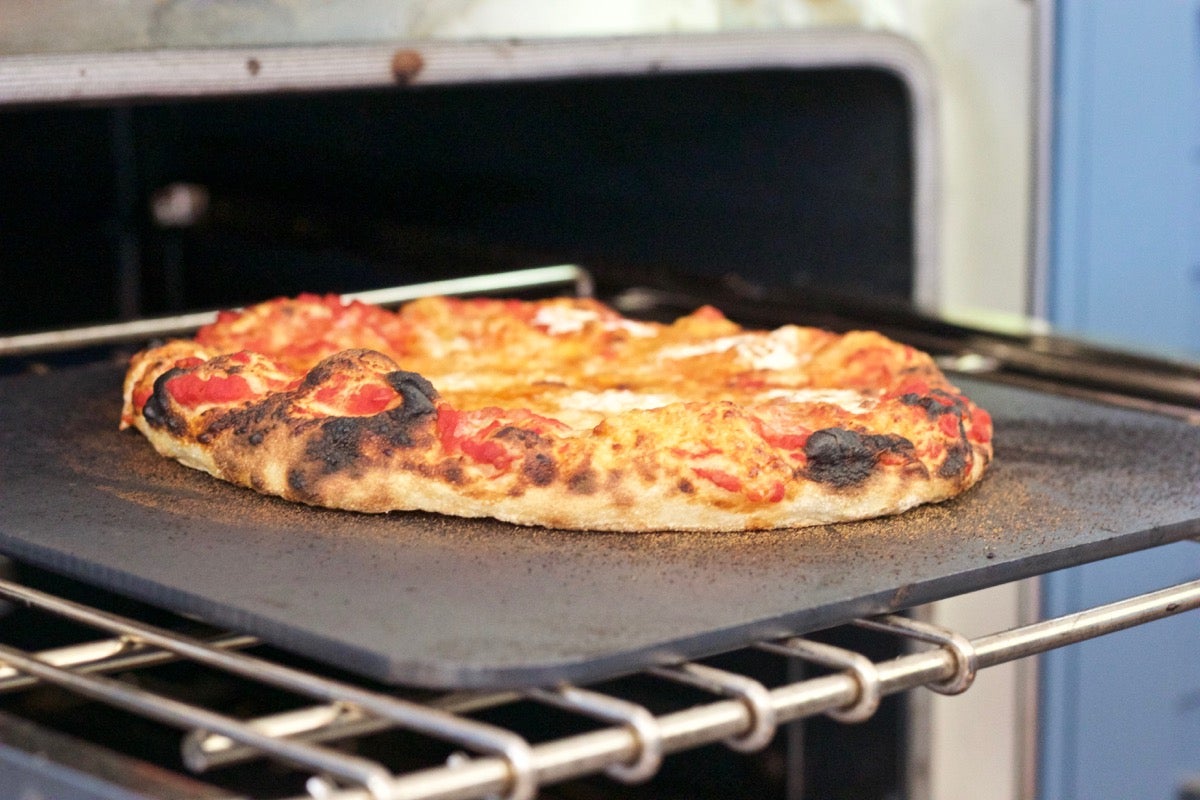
pixel 1120 716
pixel 1125 218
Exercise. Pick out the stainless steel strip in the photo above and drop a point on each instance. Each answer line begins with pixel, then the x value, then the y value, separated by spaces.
pixel 204 751
pixel 755 695
pixel 636 719
pixel 201 750
pixel 516 280
pixel 999 648
pixel 75 655
pixel 869 690
pixel 142 329
pixel 109 655
pixel 959 646
pixel 592 752
pixel 181 715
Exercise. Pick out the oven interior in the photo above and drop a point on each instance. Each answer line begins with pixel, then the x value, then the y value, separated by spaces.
pixel 783 177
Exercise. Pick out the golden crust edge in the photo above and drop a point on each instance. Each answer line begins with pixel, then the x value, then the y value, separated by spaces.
pixel 383 488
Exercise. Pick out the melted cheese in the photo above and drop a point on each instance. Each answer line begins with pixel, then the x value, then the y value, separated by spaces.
pixel 615 401
pixel 558 320
pixel 777 350
pixel 846 399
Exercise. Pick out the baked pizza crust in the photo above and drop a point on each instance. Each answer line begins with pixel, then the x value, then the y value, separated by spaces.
pixel 562 414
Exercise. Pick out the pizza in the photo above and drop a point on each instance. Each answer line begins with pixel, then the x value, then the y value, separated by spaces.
pixel 561 413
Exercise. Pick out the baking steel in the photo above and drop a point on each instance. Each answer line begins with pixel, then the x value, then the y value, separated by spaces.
pixel 425 600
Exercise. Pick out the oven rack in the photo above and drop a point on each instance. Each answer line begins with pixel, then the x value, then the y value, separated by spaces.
pixel 488 760
pixel 562 276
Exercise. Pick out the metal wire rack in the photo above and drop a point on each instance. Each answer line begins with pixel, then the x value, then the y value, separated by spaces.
pixel 487 760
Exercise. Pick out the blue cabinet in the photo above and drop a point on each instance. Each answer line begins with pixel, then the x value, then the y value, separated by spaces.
pixel 1125 209
pixel 1120 716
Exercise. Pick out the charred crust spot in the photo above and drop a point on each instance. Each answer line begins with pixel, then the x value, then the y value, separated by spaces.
pixel 250 419
pixel 844 458
pixel 892 443
pixel 340 442
pixel 204 438
pixel 452 473
pixel 416 391
pixel 524 436
pixel 157 410
pixel 540 469
pixel 337 446
pixel 583 482
pixel 398 427
pixel 956 461
pixel 320 373
pixel 297 481
pixel 936 403
pixel 686 486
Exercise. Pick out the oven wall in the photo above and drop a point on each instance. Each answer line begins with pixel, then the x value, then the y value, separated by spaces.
pixel 792 178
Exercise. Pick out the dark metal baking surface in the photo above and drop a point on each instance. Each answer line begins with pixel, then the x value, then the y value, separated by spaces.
pixel 423 600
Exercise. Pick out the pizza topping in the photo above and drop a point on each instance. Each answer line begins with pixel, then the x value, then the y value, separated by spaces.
pixel 361 383
pixel 190 390
pixel 793 439
pixel 775 351
pixel 492 436
pixel 729 483
pixel 615 400
pixel 846 399
pixel 339 394
pixel 949 424
pixel 561 319
pixel 980 431
pixel 302 331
